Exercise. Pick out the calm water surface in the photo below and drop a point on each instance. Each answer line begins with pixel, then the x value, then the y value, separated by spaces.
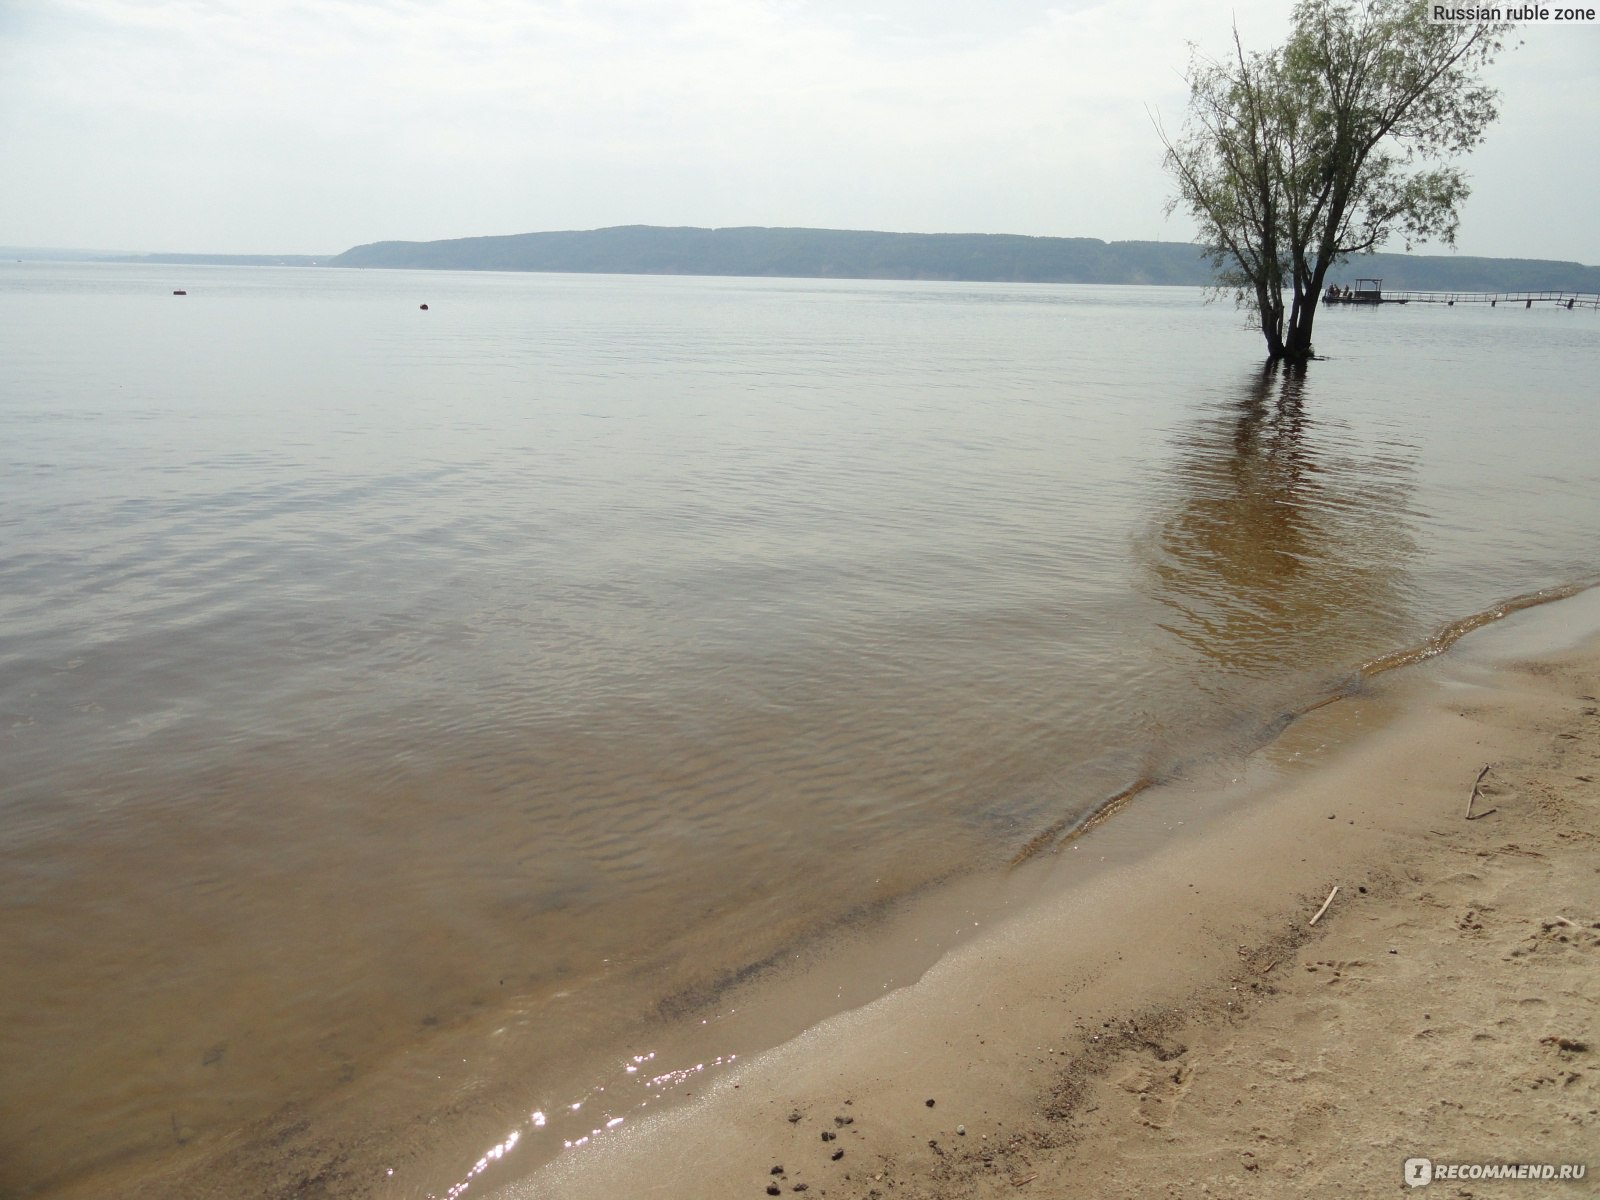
pixel 401 711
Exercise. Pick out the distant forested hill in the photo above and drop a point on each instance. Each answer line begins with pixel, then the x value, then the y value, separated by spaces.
pixel 803 253
pixel 861 254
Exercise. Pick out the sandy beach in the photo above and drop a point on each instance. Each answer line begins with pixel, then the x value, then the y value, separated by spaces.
pixel 1178 1027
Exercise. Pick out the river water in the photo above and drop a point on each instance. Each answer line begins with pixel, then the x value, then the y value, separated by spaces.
pixel 405 711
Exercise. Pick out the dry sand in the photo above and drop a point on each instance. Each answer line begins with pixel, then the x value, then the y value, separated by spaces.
pixel 1175 1027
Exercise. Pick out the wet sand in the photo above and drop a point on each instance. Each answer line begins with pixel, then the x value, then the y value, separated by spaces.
pixel 1177 1027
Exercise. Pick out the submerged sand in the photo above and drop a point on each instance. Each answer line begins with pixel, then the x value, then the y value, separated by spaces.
pixel 1177 1027
pixel 1159 1018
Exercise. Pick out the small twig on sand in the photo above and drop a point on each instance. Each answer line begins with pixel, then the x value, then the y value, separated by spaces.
pixel 1025 1179
pixel 1325 904
pixel 1473 799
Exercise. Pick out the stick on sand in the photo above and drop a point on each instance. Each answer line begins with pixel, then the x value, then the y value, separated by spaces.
pixel 1472 799
pixel 1325 904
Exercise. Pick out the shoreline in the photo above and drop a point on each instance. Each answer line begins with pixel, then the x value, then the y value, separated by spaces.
pixel 1061 1013
pixel 1174 1025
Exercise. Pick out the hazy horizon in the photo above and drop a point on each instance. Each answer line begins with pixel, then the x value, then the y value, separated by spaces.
pixel 185 126
pixel 1424 251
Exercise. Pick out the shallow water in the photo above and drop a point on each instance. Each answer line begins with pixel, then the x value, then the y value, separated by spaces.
pixel 428 702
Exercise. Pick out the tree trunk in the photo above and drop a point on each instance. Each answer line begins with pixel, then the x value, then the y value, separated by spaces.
pixel 1274 335
pixel 1297 345
pixel 1269 307
pixel 1298 348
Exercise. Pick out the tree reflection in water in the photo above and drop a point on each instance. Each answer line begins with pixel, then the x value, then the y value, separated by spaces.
pixel 1279 559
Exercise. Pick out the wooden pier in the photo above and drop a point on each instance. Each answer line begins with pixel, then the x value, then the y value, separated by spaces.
pixel 1371 291
pixel 1494 299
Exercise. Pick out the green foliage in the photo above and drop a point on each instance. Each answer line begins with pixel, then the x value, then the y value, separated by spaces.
pixel 1330 145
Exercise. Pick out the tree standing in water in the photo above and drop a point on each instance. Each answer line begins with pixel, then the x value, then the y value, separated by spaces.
pixel 1327 146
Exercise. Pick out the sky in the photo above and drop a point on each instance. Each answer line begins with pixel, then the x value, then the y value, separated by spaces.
pixel 309 126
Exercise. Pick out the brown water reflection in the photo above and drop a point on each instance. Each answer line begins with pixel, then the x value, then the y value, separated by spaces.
pixel 1285 543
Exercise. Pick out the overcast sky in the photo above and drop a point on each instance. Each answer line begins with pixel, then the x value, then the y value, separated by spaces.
pixel 307 127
